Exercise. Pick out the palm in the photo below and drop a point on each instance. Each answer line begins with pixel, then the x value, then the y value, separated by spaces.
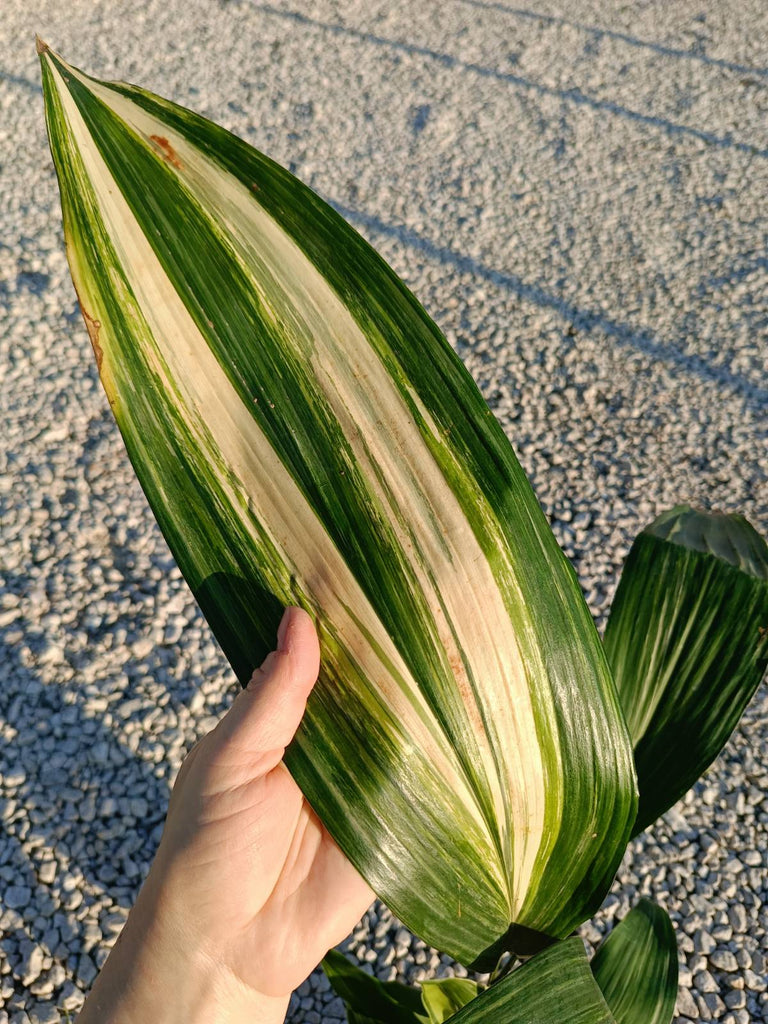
pixel 262 862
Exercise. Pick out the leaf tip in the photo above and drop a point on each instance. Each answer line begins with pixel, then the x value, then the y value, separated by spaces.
pixel 41 46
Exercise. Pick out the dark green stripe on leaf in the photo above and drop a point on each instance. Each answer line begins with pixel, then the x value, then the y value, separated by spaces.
pixel 636 967
pixel 382 1002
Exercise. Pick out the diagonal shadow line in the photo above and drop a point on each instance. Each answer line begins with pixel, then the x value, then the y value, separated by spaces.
pixel 625 335
pixel 24 83
pixel 740 269
pixel 574 95
pixel 624 37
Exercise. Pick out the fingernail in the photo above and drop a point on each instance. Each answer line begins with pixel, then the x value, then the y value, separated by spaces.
pixel 284 630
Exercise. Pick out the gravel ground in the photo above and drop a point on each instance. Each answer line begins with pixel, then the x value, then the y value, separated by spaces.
pixel 580 203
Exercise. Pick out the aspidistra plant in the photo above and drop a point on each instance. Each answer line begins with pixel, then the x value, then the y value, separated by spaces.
pixel 305 434
pixel 632 979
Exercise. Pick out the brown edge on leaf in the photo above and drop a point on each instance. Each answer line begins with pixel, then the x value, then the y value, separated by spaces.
pixel 92 325
pixel 40 46
pixel 167 151
pixel 93 333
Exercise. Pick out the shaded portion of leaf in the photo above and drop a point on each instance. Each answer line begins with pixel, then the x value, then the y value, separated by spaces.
pixel 369 1000
pixel 636 967
pixel 554 987
pixel 443 997
pixel 234 631
pixel 687 639
pixel 729 537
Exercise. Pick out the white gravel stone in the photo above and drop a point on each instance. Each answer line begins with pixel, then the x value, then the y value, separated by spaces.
pixel 32 964
pixel 723 960
pixel 737 915
pixel 703 942
pixel 71 997
pixel 739 1017
pixel 686 1004
pixel 755 982
pixel 44 1013
pixel 736 999
pixel 47 872
pixel 86 970
pixel 17 897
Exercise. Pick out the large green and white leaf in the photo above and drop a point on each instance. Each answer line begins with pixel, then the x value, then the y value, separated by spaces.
pixel 554 987
pixel 636 967
pixel 304 434
pixel 687 639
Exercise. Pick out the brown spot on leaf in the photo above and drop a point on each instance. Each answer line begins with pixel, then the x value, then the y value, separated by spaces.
pixel 457 667
pixel 167 151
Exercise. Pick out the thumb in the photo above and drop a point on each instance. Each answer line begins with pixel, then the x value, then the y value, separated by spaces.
pixel 266 714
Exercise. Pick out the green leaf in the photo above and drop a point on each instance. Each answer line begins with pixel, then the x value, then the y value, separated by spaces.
pixel 367 998
pixel 687 639
pixel 305 434
pixel 636 967
pixel 354 1017
pixel 554 987
pixel 443 997
pixel 369 1001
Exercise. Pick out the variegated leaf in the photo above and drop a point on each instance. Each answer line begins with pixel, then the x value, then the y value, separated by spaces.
pixel 555 987
pixel 636 967
pixel 687 639
pixel 304 434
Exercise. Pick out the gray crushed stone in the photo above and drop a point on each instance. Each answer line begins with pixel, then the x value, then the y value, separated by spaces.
pixel 579 201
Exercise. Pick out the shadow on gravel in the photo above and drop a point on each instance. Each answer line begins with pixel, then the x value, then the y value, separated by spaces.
pixel 624 334
pixel 79 791
pixel 575 95
pixel 696 52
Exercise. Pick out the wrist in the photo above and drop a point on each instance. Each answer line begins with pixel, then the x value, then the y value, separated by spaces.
pixel 157 973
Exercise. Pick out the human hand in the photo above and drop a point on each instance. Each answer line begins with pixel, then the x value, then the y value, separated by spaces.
pixel 248 891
